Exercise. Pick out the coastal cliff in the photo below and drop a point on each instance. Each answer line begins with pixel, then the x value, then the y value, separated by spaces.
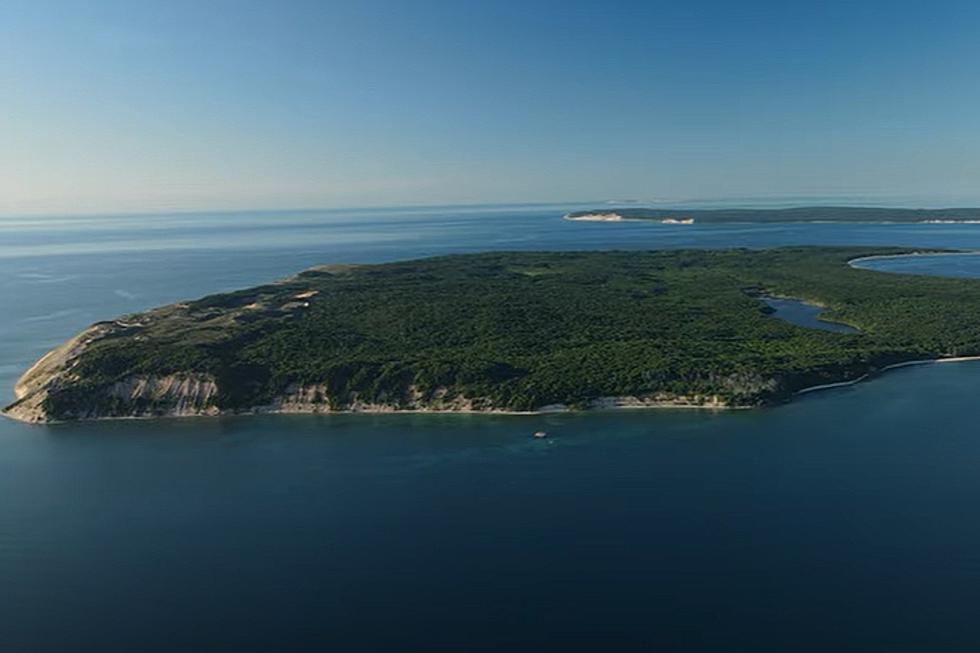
pixel 189 394
pixel 507 333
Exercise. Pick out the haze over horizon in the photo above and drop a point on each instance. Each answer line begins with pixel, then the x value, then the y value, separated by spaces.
pixel 144 107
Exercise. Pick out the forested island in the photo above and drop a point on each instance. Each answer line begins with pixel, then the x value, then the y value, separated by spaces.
pixel 796 214
pixel 509 332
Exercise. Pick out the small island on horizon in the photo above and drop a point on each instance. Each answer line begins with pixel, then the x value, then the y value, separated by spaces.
pixel 854 214
pixel 510 332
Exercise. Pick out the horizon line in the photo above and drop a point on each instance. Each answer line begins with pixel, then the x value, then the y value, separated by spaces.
pixel 742 203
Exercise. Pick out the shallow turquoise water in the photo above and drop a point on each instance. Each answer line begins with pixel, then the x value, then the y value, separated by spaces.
pixel 844 521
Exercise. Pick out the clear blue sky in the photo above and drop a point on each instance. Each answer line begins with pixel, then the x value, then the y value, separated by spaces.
pixel 131 105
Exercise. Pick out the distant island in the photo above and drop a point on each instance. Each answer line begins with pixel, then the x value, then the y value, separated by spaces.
pixel 509 332
pixel 797 214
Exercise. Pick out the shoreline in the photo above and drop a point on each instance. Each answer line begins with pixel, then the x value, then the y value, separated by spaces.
pixel 599 404
pixel 874 373
pixel 915 254
pixel 612 216
pixel 616 217
pixel 187 394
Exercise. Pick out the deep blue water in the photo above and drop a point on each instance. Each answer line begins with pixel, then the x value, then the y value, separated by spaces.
pixel 847 520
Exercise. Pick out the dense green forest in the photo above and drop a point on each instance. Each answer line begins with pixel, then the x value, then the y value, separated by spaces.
pixel 796 214
pixel 519 331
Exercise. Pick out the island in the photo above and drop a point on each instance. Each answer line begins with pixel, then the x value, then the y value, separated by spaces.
pixel 510 332
pixel 795 214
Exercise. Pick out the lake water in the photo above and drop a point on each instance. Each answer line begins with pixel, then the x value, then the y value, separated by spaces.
pixel 847 520
pixel 800 313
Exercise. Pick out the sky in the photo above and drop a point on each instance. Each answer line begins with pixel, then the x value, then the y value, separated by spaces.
pixel 176 105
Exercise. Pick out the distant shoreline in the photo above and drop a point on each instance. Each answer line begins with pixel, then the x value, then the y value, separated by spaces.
pixel 802 214
pixel 615 217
